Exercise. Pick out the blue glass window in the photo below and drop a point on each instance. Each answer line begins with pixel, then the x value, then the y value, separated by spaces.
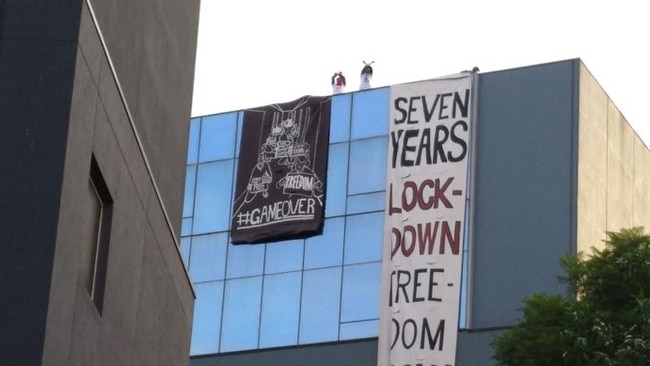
pixel 340 118
pixel 193 143
pixel 366 202
pixel 337 174
pixel 280 310
pixel 284 256
pixel 207 317
pixel 185 250
pixel 213 190
pixel 370 113
pixel 241 314
pixel 240 125
pixel 326 250
pixel 361 287
pixel 356 330
pixel 208 257
pixel 186 226
pixel 218 134
pixel 364 237
pixel 319 315
pixel 245 260
pixel 190 181
pixel 368 165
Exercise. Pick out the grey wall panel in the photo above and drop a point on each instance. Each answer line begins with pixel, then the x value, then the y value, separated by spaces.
pixel 35 93
pixel 473 349
pixel 353 353
pixel 40 20
pixel 152 46
pixel 525 187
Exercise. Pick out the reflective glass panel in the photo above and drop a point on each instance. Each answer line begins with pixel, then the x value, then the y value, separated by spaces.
pixel 368 165
pixel 241 314
pixel 340 118
pixel 245 260
pixel 319 315
pixel 186 227
pixel 366 202
pixel 280 310
pixel 190 181
pixel 208 257
pixel 213 190
pixel 337 174
pixel 284 256
pixel 218 137
pixel 326 250
pixel 357 330
pixel 185 250
pixel 207 317
pixel 361 287
pixel 370 113
pixel 193 143
pixel 240 124
pixel 364 237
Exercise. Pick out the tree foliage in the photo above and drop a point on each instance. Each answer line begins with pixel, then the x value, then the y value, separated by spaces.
pixel 605 319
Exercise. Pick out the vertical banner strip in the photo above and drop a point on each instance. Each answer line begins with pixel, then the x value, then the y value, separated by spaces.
pixel 424 225
pixel 280 189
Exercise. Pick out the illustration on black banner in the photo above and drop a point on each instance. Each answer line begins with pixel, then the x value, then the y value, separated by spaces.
pixel 284 147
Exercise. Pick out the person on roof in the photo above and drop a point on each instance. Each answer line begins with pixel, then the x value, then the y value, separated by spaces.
pixel 366 75
pixel 338 83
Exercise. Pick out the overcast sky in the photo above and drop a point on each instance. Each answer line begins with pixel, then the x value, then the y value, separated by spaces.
pixel 258 52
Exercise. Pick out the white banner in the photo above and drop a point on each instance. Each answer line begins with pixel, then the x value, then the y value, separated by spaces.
pixel 424 225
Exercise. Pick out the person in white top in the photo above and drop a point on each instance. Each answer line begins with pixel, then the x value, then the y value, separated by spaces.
pixel 366 75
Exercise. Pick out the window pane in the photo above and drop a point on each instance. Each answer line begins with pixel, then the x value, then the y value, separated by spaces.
pixel 368 165
pixel 245 260
pixel 190 181
pixel 89 231
pixel 337 173
pixel 364 237
pixel 193 144
pixel 208 257
pixel 207 318
pixel 185 251
pixel 213 189
pixel 361 287
pixel 366 202
pixel 326 250
pixel 218 137
pixel 240 124
pixel 280 310
pixel 284 256
pixel 370 113
pixel 186 227
pixel 319 315
pixel 340 119
pixel 356 330
pixel 241 314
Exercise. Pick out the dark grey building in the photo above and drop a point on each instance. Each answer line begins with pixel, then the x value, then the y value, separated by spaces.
pixel 556 166
pixel 94 99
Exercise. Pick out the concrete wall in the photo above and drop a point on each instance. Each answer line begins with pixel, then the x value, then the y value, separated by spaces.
pixel 613 169
pixel 153 47
pixel 147 313
pixel 37 62
pixel 473 349
pixel 525 188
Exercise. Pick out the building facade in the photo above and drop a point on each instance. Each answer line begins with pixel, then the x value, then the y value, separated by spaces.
pixel 93 95
pixel 555 166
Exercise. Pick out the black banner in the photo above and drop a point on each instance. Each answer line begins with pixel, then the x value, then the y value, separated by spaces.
pixel 280 191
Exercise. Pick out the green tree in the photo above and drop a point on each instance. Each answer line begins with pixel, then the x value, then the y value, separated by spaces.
pixel 604 320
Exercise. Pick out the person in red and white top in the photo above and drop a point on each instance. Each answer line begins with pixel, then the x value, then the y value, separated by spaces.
pixel 338 83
